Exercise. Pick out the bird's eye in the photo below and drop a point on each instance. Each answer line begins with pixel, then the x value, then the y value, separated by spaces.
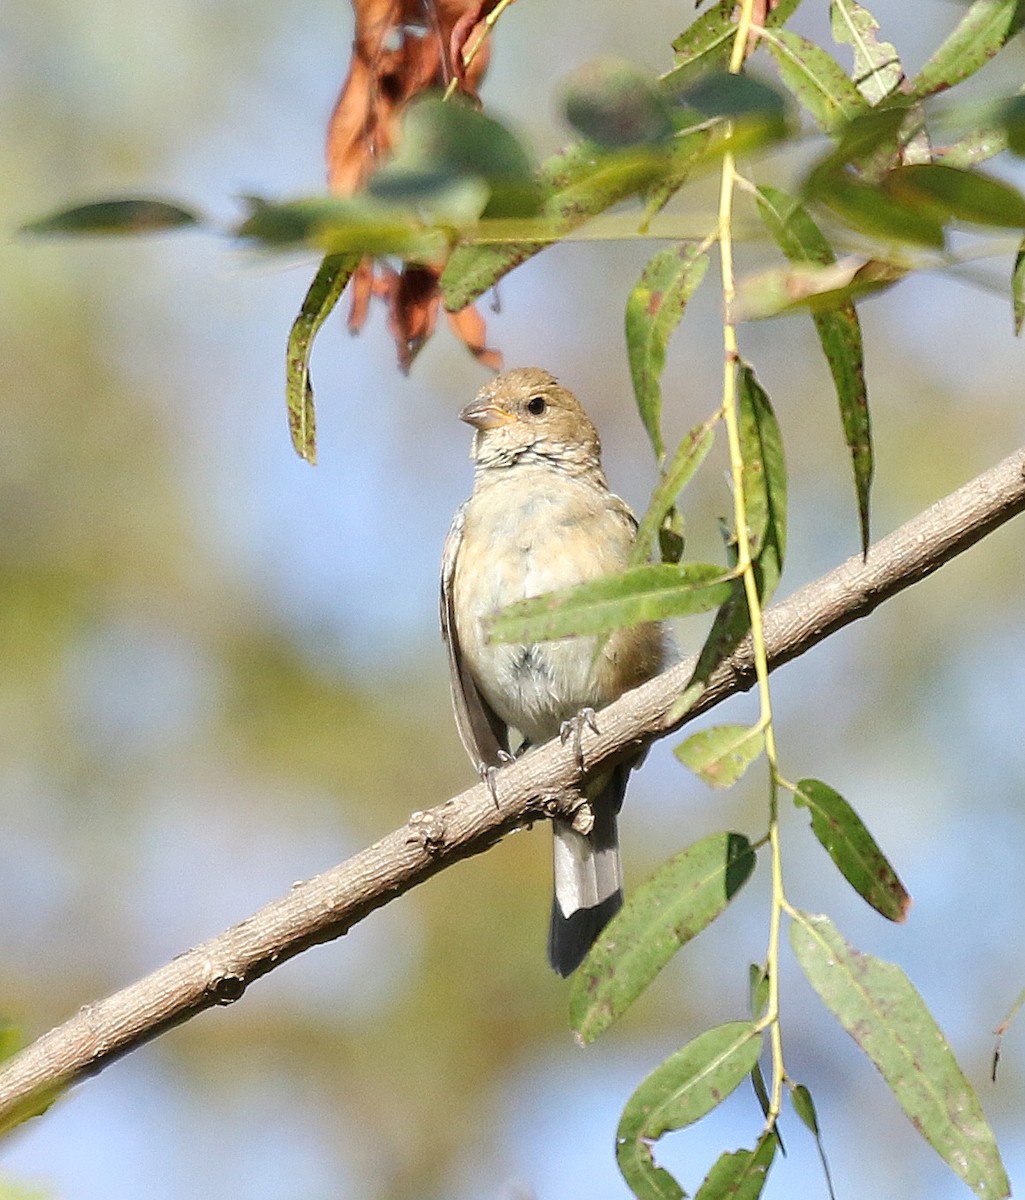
pixel 536 405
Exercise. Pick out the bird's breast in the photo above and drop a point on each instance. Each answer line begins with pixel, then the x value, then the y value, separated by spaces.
pixel 534 536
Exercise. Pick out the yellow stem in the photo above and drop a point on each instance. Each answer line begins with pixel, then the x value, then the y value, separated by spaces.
pixel 730 180
pixel 470 53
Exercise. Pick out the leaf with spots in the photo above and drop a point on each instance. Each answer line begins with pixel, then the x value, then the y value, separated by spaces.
pixel 740 1174
pixel 689 1084
pixel 653 310
pixel 328 284
pixel 879 1007
pixel 681 899
pixel 722 754
pixel 839 332
pixel 854 850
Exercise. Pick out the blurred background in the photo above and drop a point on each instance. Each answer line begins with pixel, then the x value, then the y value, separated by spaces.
pixel 220 670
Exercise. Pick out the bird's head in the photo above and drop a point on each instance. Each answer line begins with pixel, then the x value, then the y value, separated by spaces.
pixel 526 415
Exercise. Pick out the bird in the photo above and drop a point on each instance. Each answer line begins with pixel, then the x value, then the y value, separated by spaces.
pixel 541 517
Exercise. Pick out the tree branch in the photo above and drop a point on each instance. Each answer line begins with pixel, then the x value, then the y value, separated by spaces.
pixel 542 783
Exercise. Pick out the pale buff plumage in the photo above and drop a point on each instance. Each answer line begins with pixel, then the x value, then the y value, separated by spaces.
pixel 541 517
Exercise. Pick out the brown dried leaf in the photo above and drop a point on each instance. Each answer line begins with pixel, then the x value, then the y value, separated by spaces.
pixel 471 329
pixel 401 49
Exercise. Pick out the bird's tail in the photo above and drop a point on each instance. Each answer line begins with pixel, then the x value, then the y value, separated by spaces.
pixel 588 879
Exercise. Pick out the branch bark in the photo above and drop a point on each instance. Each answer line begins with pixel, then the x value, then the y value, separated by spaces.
pixel 541 784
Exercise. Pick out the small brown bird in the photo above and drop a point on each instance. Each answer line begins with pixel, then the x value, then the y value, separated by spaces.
pixel 541 517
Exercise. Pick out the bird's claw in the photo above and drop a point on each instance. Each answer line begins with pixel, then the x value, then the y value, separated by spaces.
pixel 488 772
pixel 573 729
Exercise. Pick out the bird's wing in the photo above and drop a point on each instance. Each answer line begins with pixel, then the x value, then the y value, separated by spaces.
pixel 484 735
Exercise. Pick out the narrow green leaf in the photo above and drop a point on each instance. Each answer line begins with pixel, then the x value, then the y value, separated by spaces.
pixel 813 288
pixel 706 43
pixel 448 144
pixel 722 754
pixel 804 1106
pixel 760 1090
pixel 978 146
pixel 731 623
pixel 874 211
pixel 854 850
pixel 1018 288
pixel 839 332
pixel 577 184
pixel 984 29
pixel 689 1084
pixel 877 69
pixel 33 1105
pixel 647 593
pixel 955 194
pixel 615 103
pixel 680 900
pixel 349 225
pixel 688 456
pixel 740 1174
pixel 653 310
pixel 764 483
pixel 646 1180
pixel 764 480
pixel 816 80
pixel 758 989
pixel 328 284
pixel 879 1007
pixel 114 217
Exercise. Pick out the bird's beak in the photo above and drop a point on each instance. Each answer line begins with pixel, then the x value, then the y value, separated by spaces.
pixel 486 414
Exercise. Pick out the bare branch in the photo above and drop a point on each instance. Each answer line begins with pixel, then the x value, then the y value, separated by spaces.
pixel 542 783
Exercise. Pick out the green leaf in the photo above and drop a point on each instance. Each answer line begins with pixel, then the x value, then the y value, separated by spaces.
pixel 816 80
pixel 740 1174
pixel 872 210
pixel 328 284
pixel 877 69
pixel 722 754
pixel 577 185
pixel 689 1084
pixel 114 217
pixel 680 900
pixel 653 310
pixel 816 289
pixel 706 43
pixel 854 850
pixel 764 480
pixel 804 1106
pixel 687 457
pixel 645 1179
pixel 448 143
pixel 1018 288
pixel 758 989
pixel 648 593
pixel 764 483
pixel 861 142
pixel 955 194
pixel 615 103
pixel 984 29
pixel 839 332
pixel 738 97
pixel 879 1007
pixel 345 225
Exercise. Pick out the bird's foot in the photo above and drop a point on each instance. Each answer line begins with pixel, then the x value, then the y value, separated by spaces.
pixel 487 773
pixel 573 730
